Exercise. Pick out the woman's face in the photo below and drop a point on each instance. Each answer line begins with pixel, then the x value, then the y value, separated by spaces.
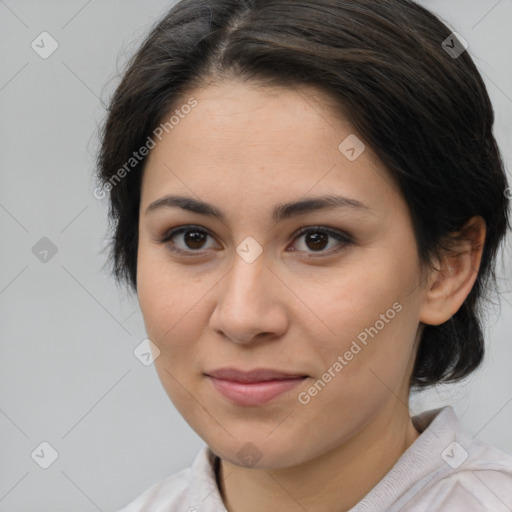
pixel 337 307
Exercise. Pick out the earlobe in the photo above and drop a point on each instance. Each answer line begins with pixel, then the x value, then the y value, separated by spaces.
pixel 455 273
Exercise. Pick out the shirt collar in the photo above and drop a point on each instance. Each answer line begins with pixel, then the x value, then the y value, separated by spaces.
pixel 204 493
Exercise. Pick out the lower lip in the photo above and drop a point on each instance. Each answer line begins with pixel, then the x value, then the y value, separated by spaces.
pixel 254 393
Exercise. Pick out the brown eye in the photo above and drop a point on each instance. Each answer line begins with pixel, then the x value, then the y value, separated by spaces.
pixel 194 239
pixel 191 240
pixel 316 239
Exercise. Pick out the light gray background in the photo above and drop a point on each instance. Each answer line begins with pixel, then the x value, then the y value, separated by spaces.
pixel 68 375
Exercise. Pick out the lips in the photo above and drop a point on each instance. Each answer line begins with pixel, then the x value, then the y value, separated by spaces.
pixel 254 387
pixel 256 375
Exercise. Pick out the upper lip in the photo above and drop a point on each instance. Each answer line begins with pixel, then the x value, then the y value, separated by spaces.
pixel 255 375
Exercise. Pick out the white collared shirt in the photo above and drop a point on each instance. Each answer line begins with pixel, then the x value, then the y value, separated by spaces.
pixel 445 469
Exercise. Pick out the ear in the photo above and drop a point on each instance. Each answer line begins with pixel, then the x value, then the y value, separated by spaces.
pixel 456 272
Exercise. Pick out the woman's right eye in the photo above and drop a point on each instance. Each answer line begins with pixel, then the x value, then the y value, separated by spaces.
pixel 194 239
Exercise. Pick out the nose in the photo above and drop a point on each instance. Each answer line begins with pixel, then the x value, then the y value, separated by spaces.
pixel 250 305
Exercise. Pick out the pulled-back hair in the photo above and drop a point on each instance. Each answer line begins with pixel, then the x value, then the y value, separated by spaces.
pixel 421 107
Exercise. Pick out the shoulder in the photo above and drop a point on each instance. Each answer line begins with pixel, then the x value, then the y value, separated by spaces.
pixel 445 470
pixel 475 476
pixel 478 489
pixel 184 489
pixel 171 491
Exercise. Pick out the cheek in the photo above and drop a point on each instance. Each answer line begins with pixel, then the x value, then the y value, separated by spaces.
pixel 172 323
pixel 372 318
pixel 348 304
pixel 363 366
pixel 165 295
pixel 174 307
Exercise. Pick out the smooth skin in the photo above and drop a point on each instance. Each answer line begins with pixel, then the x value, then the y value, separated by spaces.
pixel 299 305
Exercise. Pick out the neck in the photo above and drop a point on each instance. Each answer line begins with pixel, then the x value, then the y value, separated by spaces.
pixel 332 482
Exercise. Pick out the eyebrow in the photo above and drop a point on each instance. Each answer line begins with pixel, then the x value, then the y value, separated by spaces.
pixel 280 212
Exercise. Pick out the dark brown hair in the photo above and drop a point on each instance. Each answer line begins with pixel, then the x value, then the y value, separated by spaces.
pixel 424 111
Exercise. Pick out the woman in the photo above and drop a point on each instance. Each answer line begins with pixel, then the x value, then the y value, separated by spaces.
pixel 307 198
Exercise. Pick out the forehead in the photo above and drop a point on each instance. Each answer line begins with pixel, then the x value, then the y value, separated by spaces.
pixel 243 116
pixel 262 141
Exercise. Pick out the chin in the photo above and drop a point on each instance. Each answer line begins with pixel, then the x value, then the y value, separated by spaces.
pixel 269 454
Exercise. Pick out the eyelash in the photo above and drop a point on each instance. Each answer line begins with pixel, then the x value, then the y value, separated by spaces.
pixel 340 237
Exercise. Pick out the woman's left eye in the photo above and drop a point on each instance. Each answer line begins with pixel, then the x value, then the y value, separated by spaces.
pixel 316 239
